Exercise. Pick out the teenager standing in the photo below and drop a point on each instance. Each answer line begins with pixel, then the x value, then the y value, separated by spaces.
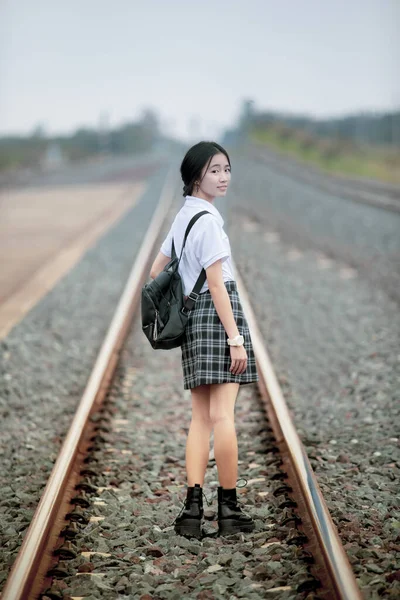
pixel 217 353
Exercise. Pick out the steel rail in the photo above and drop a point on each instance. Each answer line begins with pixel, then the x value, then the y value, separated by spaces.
pixel 334 557
pixel 34 549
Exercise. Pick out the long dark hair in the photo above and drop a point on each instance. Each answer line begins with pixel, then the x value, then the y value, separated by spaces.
pixel 195 159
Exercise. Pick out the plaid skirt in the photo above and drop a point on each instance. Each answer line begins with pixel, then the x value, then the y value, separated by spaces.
pixel 205 354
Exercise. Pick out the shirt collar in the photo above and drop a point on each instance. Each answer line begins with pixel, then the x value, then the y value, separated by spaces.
pixel 205 205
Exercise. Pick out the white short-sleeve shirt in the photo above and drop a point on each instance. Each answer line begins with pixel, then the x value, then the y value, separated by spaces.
pixel 207 242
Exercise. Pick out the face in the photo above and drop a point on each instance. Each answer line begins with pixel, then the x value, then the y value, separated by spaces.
pixel 214 179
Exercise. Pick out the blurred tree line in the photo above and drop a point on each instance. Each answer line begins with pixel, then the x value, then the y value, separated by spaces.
pixel 365 144
pixel 364 128
pixel 29 152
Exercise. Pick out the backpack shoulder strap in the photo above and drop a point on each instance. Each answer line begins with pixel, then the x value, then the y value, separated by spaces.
pixel 194 294
pixel 188 228
pixel 191 299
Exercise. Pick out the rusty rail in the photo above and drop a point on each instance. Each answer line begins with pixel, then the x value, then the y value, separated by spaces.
pixel 35 555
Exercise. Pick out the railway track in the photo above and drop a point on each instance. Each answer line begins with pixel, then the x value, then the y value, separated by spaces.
pixel 379 194
pixel 111 471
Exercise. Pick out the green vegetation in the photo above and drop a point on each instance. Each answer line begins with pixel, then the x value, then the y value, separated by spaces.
pixel 333 155
pixel 19 152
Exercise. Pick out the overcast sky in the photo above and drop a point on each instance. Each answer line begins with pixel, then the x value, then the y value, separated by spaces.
pixel 63 63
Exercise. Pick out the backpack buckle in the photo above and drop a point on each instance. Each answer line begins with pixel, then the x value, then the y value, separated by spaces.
pixel 189 302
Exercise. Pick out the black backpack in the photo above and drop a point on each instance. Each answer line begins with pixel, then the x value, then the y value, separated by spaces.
pixel 164 310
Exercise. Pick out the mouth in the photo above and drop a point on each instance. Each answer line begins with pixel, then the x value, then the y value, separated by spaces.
pixel 222 187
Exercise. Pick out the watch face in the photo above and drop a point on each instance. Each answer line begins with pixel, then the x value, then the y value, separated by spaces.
pixel 237 341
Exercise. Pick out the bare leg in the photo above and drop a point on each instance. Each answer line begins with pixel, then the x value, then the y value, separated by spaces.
pixel 222 408
pixel 198 440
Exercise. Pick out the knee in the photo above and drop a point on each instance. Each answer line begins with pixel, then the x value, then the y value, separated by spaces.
pixel 202 421
pixel 220 417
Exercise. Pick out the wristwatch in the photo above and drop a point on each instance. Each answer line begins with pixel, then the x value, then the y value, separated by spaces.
pixel 236 341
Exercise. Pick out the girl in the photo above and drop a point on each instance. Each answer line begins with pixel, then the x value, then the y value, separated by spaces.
pixel 217 353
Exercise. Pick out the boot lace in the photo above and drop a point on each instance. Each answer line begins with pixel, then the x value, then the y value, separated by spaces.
pixel 184 505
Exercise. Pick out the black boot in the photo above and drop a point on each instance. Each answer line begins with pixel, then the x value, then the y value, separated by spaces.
pixel 188 522
pixel 231 518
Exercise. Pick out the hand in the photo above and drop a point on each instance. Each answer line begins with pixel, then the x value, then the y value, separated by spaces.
pixel 239 360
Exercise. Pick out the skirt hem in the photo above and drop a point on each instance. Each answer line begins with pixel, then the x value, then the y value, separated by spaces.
pixel 189 386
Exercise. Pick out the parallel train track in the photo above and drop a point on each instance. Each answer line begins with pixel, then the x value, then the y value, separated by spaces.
pixel 364 191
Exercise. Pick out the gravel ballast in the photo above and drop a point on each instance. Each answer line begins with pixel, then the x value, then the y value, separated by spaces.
pixel 132 549
pixel 362 237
